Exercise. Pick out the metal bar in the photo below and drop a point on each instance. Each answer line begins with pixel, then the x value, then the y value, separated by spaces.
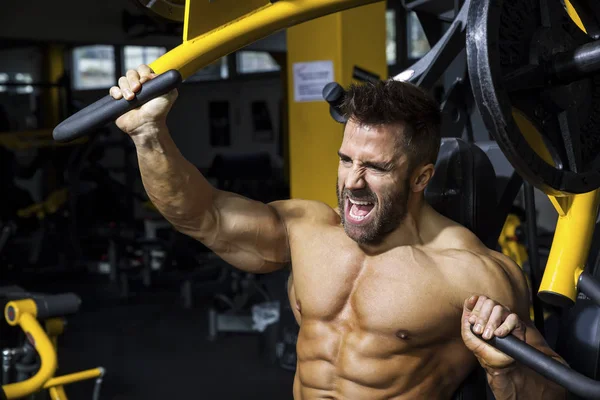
pixel 533 255
pixel 577 64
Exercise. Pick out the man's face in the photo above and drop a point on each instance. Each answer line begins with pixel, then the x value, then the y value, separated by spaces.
pixel 373 183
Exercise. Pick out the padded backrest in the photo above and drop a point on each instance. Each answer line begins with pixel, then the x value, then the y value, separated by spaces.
pixel 463 188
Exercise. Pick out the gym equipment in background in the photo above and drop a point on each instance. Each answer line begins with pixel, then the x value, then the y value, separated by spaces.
pixel 35 362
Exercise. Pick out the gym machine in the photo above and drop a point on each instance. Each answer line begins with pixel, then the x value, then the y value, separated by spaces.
pixel 532 71
pixel 29 368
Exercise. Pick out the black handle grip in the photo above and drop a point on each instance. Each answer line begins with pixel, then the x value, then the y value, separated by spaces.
pixel 334 94
pixel 108 109
pixel 548 367
pixel 57 305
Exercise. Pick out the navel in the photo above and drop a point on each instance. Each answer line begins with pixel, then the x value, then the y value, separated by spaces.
pixel 402 335
pixel 298 306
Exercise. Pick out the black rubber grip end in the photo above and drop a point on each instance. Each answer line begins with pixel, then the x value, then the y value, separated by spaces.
pixel 107 109
pixel 57 305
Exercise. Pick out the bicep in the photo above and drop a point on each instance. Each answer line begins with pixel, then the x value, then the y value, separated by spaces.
pixel 248 234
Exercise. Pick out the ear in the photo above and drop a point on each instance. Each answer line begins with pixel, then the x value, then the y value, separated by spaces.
pixel 421 177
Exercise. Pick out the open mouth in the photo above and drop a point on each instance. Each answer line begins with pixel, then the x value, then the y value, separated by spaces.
pixel 358 211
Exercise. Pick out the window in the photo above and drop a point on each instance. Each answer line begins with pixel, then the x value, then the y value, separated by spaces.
pixel 134 56
pixel 93 67
pixel 390 41
pixel 3 78
pixel 418 45
pixel 212 72
pixel 249 62
pixel 24 78
pixel 20 77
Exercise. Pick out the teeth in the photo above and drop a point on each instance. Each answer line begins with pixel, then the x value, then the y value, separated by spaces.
pixel 359 203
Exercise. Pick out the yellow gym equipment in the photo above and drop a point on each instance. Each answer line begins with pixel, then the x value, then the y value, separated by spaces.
pixel 25 313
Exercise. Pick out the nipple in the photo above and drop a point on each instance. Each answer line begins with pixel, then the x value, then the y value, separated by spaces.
pixel 402 335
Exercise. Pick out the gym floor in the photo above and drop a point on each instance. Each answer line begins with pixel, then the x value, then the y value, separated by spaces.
pixel 152 348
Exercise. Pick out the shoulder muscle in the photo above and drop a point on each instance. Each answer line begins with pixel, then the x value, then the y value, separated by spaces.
pixel 490 274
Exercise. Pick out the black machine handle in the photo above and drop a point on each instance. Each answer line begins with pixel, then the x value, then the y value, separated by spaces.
pixel 108 109
pixel 548 367
pixel 56 305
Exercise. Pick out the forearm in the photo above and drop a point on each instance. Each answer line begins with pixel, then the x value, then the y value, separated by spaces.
pixel 174 185
pixel 520 382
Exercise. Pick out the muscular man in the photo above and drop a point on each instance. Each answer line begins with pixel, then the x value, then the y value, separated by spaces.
pixel 386 289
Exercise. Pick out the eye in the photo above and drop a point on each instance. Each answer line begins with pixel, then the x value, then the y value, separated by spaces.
pixel 345 160
pixel 377 168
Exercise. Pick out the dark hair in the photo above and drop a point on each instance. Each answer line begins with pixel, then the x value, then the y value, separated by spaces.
pixel 403 104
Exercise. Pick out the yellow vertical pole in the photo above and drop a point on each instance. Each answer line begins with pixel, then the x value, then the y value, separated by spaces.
pixel 355 37
pixel 53 70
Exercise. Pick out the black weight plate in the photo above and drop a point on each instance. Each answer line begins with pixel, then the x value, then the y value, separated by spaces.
pixel 520 39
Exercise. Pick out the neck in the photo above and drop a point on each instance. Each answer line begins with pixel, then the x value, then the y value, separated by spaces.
pixel 407 233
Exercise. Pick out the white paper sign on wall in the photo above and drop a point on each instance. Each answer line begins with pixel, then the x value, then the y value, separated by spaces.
pixel 310 78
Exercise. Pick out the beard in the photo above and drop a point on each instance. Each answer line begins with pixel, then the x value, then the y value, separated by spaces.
pixel 389 213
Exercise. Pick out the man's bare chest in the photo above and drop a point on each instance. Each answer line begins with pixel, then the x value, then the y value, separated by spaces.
pixel 398 294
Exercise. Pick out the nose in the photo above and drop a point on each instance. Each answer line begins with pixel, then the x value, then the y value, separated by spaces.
pixel 355 179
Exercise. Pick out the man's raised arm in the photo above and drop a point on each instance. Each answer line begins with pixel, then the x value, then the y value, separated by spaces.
pixel 248 234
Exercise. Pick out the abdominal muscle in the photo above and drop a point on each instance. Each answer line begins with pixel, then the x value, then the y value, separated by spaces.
pixel 336 362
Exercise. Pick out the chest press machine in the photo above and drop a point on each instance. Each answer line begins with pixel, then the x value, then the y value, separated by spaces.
pixel 532 73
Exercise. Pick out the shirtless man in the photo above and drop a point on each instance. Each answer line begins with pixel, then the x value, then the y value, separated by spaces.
pixel 385 290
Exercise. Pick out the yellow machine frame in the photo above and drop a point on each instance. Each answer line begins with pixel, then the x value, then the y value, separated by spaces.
pixel 202 50
pixel 24 313
pixel 573 235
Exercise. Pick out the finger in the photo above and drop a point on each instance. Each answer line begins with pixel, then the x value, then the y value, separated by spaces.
pixel 172 95
pixel 115 92
pixel 146 73
pixel 498 315
pixel 134 80
pixel 511 322
pixel 124 85
pixel 477 309
pixel 484 315
pixel 470 303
